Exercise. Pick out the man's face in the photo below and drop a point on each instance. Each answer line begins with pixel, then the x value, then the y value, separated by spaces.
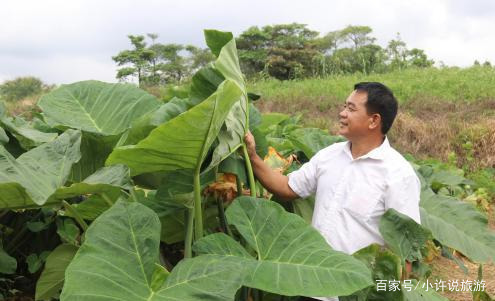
pixel 354 119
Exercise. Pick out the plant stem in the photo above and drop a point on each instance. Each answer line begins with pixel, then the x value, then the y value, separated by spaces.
pixel 189 233
pixel 239 185
pixel 252 184
pixel 198 212
pixel 223 219
pixel 76 215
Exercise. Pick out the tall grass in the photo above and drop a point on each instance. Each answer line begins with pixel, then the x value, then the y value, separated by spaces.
pixel 449 84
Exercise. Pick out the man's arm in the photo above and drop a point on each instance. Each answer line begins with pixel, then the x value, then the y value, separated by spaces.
pixel 273 181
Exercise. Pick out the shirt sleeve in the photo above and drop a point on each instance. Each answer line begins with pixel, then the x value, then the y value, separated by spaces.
pixel 303 181
pixel 403 195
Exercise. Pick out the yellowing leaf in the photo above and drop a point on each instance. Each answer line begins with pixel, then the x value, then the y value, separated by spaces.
pixel 276 161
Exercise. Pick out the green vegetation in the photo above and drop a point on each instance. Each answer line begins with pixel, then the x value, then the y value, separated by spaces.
pixel 449 84
pixel 282 51
pixel 292 51
pixel 126 192
pixel 157 64
pixel 21 87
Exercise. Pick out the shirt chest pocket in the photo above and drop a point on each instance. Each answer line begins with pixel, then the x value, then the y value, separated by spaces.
pixel 361 201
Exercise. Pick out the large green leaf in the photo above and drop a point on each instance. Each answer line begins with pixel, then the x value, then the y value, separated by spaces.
pixel 234 164
pixel 91 207
pixel 183 142
pixel 204 83
pixel 385 267
pixel 94 152
pixel 403 235
pixel 444 177
pixel 458 225
pixel 176 192
pixel 217 39
pixel 38 173
pixel 8 264
pixel 28 136
pixel 52 277
pixel 271 119
pixel 254 117
pixel 292 257
pixel 174 224
pixel 304 208
pixel 231 136
pixel 105 187
pixel 141 127
pixel 97 107
pixel 3 136
pixel 132 231
pixel 109 180
pixel 311 140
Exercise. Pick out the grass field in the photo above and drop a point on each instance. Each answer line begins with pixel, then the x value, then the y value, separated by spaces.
pixel 449 84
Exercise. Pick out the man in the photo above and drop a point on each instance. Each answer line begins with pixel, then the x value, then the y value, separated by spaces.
pixel 355 181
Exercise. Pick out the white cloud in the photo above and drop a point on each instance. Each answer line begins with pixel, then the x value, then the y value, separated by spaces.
pixel 62 41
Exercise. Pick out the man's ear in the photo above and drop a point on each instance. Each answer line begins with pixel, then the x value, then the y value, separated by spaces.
pixel 375 121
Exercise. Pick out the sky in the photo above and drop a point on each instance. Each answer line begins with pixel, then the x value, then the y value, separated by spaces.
pixel 72 40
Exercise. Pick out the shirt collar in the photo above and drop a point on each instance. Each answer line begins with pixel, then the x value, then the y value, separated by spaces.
pixel 376 153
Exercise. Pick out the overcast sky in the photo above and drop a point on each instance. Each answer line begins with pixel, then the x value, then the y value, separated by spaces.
pixel 71 40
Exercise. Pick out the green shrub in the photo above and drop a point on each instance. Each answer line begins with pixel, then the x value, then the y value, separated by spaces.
pixel 21 87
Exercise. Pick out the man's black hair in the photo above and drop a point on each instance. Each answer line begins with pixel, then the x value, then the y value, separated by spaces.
pixel 381 100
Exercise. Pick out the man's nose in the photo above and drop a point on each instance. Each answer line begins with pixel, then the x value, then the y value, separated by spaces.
pixel 342 113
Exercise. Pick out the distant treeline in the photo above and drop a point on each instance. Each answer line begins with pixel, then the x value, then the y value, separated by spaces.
pixel 283 51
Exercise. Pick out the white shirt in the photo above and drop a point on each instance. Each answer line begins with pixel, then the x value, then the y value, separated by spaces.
pixel 353 194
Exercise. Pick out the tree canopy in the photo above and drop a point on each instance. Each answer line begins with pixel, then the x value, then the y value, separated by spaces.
pixel 283 51
pixel 155 63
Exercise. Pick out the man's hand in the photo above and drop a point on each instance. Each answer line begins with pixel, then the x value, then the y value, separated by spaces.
pixel 250 144
pixel 273 181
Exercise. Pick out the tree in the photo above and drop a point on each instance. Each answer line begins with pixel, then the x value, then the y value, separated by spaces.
pixel 21 87
pixel 358 36
pixel 140 59
pixel 284 51
pixel 199 57
pixel 418 58
pixel 359 55
pixel 159 63
pixel 370 58
pixel 253 50
pixel 397 52
pixel 329 43
pixel 171 66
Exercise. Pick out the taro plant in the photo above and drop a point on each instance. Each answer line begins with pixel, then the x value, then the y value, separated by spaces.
pixel 123 191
